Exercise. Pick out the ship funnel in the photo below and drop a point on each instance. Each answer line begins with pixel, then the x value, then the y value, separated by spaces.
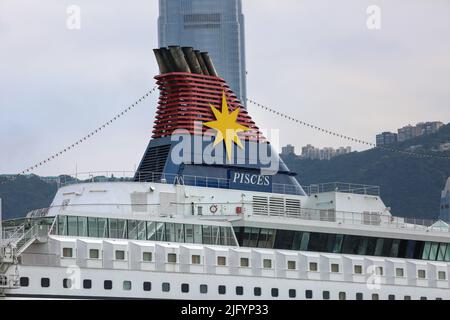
pixel 185 59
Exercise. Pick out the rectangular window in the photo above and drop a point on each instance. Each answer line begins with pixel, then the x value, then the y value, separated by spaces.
pixel 245 262
pixel 67 252
pixel 441 253
pixel 359 296
pixel 442 275
pixel 147 286
pixel 342 296
pixel 127 285
pixel 165 287
pixel 257 291
pixel 189 233
pixel 94 253
pixel 120 255
pixel 82 226
pixel 221 261
pixel 222 289
pixel 357 269
pixel 45 282
pixel 92 227
pixel 239 290
pixel 274 292
pixel 196 259
pixel 399 272
pixel 87 284
pixel 203 288
pixel 334 267
pixel 107 284
pixel 147 256
pixel 292 293
pixel 24 281
pixel 313 266
pixel 184 287
pixel 308 294
pixel 326 295
pixel 291 265
pixel 421 274
pixel 172 258
pixel 72 226
pixel 198 235
pixel 267 264
pixel 391 297
pixel 207 235
pixel 375 296
pixel 67 283
pixel 103 228
pixel 407 298
pixel 62 225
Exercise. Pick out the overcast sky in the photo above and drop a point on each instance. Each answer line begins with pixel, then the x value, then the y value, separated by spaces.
pixel 313 59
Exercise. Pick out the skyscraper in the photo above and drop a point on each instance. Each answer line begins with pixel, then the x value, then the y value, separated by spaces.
pixel 215 26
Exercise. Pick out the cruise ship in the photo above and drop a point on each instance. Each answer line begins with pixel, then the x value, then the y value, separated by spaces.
pixel 213 213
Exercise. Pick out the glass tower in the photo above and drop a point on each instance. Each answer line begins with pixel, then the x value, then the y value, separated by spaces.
pixel 215 26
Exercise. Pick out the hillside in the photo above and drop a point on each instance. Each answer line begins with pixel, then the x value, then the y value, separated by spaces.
pixel 411 186
pixel 24 194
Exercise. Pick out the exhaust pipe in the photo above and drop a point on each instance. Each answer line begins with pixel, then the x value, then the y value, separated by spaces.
pixel 180 62
pixel 192 60
pixel 163 68
pixel 167 58
pixel 209 64
pixel 201 62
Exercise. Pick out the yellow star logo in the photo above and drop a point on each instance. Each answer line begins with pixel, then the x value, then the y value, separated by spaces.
pixel 226 126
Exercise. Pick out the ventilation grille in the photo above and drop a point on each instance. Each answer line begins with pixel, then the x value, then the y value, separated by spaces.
pixel 293 206
pixel 276 206
pixel 260 205
pixel 153 164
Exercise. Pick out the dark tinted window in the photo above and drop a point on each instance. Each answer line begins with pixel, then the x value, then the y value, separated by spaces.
pixel 67 283
pixel 292 293
pixel 87 284
pixel 274 292
pixel 391 297
pixel 45 282
pixel 239 291
pixel 24 281
pixel 203 288
pixel 165 287
pixel 222 289
pixel 257 291
pixel 308 294
pixel 107 284
pixel 359 296
pixel 147 286
pixel 184 287
pixel 326 295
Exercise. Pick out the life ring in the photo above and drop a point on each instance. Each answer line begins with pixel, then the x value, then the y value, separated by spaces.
pixel 213 208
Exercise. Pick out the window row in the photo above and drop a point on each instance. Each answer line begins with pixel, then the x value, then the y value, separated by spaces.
pixel 144 230
pixel 266 263
pixel 340 243
pixel 203 289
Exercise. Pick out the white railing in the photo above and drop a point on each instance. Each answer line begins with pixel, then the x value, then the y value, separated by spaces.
pixel 210 182
pixel 358 218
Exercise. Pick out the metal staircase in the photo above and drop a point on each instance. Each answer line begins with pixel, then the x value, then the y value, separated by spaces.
pixel 13 243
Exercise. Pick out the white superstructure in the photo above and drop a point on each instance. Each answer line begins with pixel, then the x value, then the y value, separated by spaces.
pixel 153 241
